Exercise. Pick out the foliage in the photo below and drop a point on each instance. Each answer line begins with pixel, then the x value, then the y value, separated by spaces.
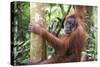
pixel 92 33
pixel 21 17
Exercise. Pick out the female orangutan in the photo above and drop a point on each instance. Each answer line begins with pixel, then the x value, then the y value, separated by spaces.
pixel 68 48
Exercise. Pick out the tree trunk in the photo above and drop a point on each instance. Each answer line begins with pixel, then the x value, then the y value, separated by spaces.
pixel 37 44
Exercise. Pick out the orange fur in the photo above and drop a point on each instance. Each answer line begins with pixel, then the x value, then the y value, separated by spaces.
pixel 69 47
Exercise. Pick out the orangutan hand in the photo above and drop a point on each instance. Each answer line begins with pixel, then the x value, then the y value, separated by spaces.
pixel 36 28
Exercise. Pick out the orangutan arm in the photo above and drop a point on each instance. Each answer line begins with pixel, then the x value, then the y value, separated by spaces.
pixel 56 42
